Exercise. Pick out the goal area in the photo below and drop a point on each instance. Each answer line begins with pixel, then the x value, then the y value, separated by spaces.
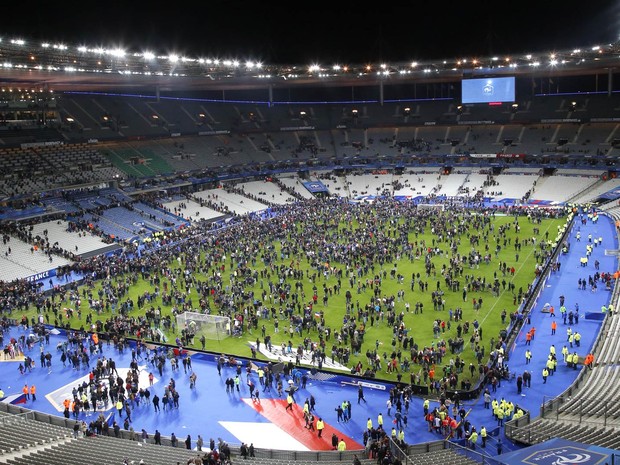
pixel 212 327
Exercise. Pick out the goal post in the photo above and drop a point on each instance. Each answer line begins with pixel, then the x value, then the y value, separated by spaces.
pixel 212 327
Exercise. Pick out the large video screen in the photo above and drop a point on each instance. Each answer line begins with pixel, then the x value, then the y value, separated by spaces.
pixel 488 90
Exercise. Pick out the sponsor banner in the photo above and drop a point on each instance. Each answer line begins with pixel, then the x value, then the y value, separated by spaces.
pixel 49 143
pixel 380 387
pixel 213 133
pixel 604 120
pixel 610 195
pixel 93 141
pixel 483 155
pixel 430 123
pixel 476 122
pixel 315 187
pixel 510 155
pixel 175 134
pixel 41 276
pixel 297 128
pixel 561 120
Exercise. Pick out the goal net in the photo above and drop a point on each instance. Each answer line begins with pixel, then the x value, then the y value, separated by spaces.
pixel 212 327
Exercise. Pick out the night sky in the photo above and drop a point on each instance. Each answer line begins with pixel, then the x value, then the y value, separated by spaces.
pixel 322 32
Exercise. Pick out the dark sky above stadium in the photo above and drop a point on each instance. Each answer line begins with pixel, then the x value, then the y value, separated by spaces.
pixel 324 32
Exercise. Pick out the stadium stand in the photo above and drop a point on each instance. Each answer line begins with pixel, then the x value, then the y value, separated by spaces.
pixel 128 168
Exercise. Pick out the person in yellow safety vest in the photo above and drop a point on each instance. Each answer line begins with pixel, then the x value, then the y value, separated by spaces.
pixel 570 360
pixel 401 435
pixel 342 446
pixel 483 435
pixel 119 407
pixel 394 433
pixel 575 360
pixel 473 438
pixel 552 349
pixel 571 338
pixel 500 416
pixel 289 402
pixel 550 365
pixel 545 373
pixel 380 420
pixel 495 406
pixel 320 426
pixel 369 424
pixel 564 352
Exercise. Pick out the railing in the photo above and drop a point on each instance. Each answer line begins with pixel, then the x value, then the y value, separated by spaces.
pixel 479 455
pixel 406 456
pixel 12 418
pixel 510 427
pixel 606 411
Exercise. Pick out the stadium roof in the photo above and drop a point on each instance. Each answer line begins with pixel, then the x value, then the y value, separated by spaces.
pixel 60 68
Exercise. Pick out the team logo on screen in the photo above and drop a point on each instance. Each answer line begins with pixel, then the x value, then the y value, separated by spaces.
pixel 488 88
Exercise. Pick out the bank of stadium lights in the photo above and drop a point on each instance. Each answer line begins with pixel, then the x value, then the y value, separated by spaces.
pixel 253 65
pixel 249 66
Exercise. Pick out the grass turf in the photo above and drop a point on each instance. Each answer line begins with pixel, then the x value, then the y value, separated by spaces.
pixel 284 252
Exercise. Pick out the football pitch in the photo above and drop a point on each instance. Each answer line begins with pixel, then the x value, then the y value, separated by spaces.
pixel 368 285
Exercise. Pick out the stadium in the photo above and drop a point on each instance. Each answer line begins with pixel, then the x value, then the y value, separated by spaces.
pixel 161 210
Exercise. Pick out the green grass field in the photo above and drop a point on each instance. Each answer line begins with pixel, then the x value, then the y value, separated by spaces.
pixel 400 245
